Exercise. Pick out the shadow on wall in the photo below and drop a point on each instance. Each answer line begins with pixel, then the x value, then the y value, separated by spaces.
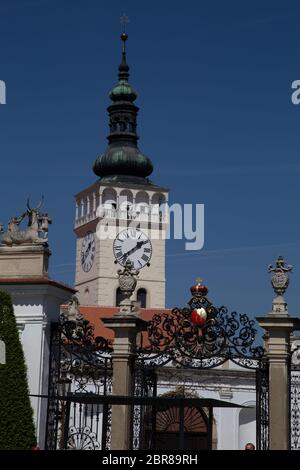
pixel 247 426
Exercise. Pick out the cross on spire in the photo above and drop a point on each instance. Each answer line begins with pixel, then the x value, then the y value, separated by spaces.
pixel 123 68
pixel 124 20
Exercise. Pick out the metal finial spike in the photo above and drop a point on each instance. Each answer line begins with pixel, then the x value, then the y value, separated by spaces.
pixel 123 67
pixel 124 38
pixel 124 20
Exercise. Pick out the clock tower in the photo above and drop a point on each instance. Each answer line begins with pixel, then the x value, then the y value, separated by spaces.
pixel 122 215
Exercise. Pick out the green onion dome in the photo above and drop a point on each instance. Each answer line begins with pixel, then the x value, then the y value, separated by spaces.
pixel 123 92
pixel 122 159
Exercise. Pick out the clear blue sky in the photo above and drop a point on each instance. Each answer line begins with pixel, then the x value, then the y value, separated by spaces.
pixel 214 82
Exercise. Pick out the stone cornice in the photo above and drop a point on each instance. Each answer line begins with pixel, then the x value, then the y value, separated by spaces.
pixel 35 281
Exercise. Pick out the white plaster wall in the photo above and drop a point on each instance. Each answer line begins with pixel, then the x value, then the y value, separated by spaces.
pixel 35 307
pixel 247 426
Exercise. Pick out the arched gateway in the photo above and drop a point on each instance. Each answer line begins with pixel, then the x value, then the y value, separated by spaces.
pixel 170 420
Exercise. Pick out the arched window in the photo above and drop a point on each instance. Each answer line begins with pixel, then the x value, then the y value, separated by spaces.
pixel 125 203
pixel 109 198
pixel 142 205
pixel 119 296
pixel 142 297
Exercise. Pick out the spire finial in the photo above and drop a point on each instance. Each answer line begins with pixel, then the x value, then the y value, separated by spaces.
pixel 124 20
pixel 123 68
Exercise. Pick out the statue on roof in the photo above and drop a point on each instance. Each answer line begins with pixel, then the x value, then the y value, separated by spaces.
pixel 36 232
pixel 71 312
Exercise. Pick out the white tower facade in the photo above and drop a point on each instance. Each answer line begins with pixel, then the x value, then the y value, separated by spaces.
pixel 96 278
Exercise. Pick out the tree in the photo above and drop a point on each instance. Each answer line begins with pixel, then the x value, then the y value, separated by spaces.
pixel 17 429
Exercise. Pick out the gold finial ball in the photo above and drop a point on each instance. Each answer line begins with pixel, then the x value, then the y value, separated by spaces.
pixel 124 36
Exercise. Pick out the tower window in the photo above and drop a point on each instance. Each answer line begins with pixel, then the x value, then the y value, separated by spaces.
pixel 119 296
pixel 142 297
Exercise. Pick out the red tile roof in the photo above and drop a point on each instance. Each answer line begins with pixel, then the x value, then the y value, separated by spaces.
pixel 94 315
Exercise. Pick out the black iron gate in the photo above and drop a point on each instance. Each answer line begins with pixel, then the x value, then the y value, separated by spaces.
pixel 198 337
pixel 79 364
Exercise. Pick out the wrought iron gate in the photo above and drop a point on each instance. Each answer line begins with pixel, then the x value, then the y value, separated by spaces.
pixel 79 363
pixel 179 340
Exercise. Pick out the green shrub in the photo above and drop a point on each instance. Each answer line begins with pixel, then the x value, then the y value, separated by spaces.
pixel 17 429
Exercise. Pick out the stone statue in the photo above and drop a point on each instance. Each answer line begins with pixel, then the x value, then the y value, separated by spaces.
pixel 127 283
pixel 127 279
pixel 72 312
pixel 36 232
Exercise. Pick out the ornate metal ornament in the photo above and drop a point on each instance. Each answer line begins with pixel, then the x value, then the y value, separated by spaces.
pixel 280 277
pixel 176 338
pixel 36 232
pixel 82 439
pixel 80 363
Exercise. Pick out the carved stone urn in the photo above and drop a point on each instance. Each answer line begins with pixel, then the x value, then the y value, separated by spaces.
pixel 127 279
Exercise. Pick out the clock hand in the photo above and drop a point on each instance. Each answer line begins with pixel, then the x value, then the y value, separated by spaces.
pixel 136 247
pixel 87 251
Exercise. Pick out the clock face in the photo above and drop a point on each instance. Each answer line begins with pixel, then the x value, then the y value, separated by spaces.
pixel 88 249
pixel 133 245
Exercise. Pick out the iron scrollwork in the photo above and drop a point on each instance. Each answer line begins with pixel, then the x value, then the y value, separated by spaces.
pixel 174 337
pixel 80 363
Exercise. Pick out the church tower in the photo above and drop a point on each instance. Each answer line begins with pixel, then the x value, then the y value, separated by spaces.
pixel 121 216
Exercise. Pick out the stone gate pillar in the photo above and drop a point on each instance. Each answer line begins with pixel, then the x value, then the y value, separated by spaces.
pixel 279 325
pixel 125 325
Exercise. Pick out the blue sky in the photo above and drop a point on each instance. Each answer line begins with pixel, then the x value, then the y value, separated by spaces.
pixel 214 82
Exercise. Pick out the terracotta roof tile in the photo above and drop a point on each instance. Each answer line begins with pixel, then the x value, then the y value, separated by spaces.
pixel 94 315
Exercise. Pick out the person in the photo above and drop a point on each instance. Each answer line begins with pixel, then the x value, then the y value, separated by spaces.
pixel 249 446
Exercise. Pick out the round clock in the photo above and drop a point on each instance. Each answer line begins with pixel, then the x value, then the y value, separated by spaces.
pixel 133 245
pixel 88 249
